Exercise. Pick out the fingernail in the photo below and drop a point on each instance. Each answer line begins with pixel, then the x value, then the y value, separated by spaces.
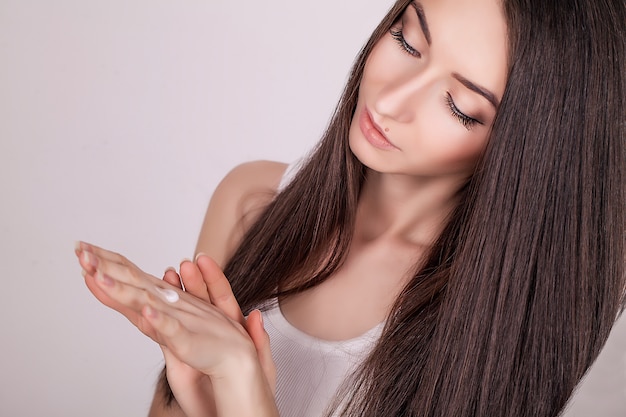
pixel 104 279
pixel 83 273
pixel 77 247
pixel 170 268
pixel 90 259
pixel 260 315
pixel 199 254
pixel 185 260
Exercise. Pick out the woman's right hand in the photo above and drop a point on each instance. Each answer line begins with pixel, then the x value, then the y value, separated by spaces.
pixel 205 280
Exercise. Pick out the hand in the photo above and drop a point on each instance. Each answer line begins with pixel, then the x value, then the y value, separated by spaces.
pixel 191 388
pixel 187 326
pixel 204 279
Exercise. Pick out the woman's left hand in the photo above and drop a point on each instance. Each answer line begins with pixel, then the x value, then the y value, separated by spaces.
pixel 196 332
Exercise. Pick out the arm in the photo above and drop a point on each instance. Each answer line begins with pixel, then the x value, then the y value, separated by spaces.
pixel 188 327
pixel 193 389
pixel 235 205
pixel 236 202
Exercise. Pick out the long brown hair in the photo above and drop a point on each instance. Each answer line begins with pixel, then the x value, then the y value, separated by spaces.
pixel 521 290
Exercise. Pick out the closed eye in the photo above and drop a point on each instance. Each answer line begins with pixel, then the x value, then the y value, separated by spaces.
pixel 467 121
pixel 398 36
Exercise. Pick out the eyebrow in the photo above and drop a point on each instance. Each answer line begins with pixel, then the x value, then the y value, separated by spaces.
pixel 422 18
pixel 467 83
pixel 477 89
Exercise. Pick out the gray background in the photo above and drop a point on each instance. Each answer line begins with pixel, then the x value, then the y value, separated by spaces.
pixel 117 120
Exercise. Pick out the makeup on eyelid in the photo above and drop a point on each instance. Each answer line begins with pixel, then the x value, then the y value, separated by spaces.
pixel 464 119
pixel 434 79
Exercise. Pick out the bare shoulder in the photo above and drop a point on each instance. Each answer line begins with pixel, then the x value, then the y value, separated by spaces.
pixel 254 176
pixel 235 205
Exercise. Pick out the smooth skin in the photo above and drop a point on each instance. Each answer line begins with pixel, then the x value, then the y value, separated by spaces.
pixel 240 195
pixel 240 361
pixel 192 388
pixel 236 202
pixel 424 87
pixel 412 187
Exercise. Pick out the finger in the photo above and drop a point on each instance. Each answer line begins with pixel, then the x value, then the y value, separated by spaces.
pixel 164 297
pixel 199 341
pixel 131 275
pixel 192 280
pixel 261 340
pixel 170 332
pixel 102 290
pixel 219 289
pixel 125 272
pixel 103 297
pixel 142 288
pixel 171 277
pixel 122 293
pixel 88 256
pixel 87 261
pixel 100 252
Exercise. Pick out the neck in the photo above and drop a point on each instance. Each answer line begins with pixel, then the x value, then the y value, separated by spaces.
pixel 403 207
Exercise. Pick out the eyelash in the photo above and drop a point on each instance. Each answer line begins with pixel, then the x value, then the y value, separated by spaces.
pixel 404 45
pixel 465 120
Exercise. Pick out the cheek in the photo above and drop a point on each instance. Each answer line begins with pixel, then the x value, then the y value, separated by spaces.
pixel 437 139
pixel 463 150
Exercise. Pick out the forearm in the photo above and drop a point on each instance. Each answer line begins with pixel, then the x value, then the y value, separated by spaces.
pixel 244 393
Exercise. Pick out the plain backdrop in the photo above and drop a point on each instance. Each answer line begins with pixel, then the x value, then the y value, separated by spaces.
pixel 117 120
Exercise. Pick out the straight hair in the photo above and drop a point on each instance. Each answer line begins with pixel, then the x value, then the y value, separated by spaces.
pixel 520 291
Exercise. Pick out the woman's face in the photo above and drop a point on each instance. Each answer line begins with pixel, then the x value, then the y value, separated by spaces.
pixel 430 89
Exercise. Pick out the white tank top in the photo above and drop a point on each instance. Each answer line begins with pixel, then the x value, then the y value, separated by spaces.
pixel 310 370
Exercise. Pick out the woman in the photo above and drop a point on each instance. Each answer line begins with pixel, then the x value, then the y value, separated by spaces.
pixel 464 210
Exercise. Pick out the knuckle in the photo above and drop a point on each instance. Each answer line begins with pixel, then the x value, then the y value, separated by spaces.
pixel 174 328
pixel 133 273
pixel 121 258
pixel 150 298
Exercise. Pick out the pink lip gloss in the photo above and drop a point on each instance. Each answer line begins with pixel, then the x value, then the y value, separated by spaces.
pixel 371 132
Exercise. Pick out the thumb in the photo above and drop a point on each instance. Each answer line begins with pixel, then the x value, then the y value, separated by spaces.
pixel 261 340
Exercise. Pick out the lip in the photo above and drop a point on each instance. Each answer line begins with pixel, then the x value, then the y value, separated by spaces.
pixel 372 132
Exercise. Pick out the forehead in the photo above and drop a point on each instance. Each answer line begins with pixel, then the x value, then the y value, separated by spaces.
pixel 469 37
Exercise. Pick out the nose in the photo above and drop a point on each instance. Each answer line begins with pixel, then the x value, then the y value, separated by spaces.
pixel 399 100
